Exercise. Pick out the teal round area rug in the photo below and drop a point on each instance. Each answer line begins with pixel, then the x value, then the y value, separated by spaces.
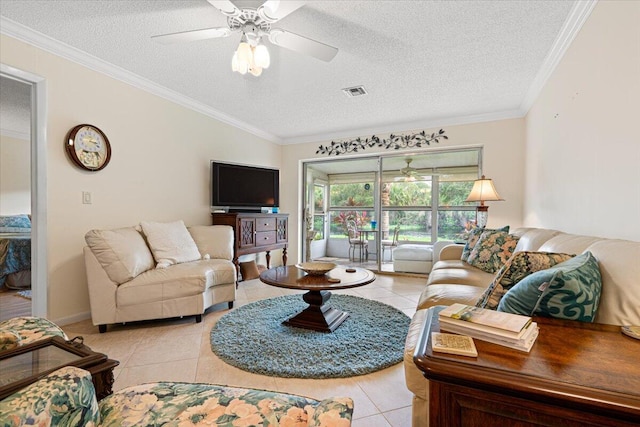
pixel 253 338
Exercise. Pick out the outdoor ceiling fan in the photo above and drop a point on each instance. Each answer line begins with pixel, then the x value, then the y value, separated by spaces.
pixel 408 171
pixel 251 56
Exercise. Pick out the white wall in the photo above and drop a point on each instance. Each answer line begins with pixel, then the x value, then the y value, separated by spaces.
pixel 15 178
pixel 583 132
pixel 158 170
pixel 503 161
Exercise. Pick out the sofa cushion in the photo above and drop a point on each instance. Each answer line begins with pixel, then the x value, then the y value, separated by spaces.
pixel 492 251
pixel 465 276
pixel 447 294
pixel 568 243
pixel 170 242
pixel 620 270
pixel 213 240
pixel 532 239
pixel 122 252
pixel 521 265
pixel 450 263
pixel 177 281
pixel 570 290
pixel 474 236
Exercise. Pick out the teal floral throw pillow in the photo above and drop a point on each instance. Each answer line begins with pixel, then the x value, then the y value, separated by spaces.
pixel 519 266
pixel 493 250
pixel 474 236
pixel 570 290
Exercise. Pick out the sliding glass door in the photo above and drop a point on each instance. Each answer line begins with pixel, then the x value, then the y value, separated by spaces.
pixel 421 195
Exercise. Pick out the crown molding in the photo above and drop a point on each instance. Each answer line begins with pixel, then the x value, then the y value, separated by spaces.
pixel 44 42
pixel 10 133
pixel 576 19
pixel 397 127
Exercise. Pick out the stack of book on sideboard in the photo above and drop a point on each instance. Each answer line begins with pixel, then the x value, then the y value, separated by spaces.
pixel 510 330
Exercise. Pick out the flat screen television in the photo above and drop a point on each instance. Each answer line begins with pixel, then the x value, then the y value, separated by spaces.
pixel 237 187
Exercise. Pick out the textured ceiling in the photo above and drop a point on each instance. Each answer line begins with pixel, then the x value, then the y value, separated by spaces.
pixel 15 108
pixel 423 63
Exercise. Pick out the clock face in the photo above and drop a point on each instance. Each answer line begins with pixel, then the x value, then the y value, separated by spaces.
pixel 88 147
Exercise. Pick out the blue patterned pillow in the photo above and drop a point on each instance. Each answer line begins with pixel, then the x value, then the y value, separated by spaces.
pixel 474 236
pixel 570 290
pixel 15 224
pixel 519 266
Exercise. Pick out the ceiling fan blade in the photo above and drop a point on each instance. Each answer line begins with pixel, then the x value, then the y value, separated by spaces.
pixel 302 44
pixel 274 10
pixel 193 35
pixel 226 7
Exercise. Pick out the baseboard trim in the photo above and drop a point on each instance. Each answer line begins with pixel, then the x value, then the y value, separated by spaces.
pixel 63 321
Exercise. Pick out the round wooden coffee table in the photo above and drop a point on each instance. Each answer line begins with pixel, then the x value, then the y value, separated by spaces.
pixel 318 316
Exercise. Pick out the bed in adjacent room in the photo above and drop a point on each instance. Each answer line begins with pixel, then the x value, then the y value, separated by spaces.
pixel 15 251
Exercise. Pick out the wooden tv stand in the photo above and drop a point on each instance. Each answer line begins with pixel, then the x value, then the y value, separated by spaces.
pixel 577 374
pixel 256 232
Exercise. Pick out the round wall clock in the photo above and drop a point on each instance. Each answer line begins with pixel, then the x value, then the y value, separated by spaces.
pixel 88 147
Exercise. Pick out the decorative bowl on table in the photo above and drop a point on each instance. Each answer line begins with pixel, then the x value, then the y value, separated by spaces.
pixel 316 268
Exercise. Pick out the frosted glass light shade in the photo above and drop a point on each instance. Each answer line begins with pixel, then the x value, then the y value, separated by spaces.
pixel 234 62
pixel 261 56
pixel 244 53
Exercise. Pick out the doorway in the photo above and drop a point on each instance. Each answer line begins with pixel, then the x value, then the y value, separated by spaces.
pixel 34 87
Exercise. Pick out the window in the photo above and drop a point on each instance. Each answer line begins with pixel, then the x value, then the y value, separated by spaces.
pixel 424 197
pixel 349 195
pixel 453 213
pixel 429 203
pixel 351 198
pixel 319 197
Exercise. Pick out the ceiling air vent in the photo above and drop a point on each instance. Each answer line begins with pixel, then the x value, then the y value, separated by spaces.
pixel 354 91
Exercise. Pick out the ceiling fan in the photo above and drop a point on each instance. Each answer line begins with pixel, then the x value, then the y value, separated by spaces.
pixel 409 172
pixel 254 24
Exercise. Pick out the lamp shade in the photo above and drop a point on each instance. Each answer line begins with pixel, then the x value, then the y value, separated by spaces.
pixel 483 191
pixel 261 56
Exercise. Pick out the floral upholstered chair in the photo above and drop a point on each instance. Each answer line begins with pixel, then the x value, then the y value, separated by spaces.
pixel 67 397
pixel 189 404
pixel 24 330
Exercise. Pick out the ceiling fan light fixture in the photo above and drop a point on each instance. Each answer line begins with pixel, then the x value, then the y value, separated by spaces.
pixel 245 53
pixel 261 56
pixel 255 71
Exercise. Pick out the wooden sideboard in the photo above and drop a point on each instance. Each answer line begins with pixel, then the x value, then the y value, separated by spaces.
pixel 577 374
pixel 256 232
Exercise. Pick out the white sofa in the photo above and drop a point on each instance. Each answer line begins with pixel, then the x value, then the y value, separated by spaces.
pixel 135 276
pixel 454 281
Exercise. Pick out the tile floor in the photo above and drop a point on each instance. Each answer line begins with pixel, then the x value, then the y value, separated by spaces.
pixel 179 350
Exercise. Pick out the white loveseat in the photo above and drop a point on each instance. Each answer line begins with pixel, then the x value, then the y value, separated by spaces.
pixel 454 281
pixel 136 276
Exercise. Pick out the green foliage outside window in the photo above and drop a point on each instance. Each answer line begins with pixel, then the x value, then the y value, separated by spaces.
pixel 412 193
pixel 357 194
pixel 415 224
pixel 318 198
pixel 454 193
pixel 318 227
